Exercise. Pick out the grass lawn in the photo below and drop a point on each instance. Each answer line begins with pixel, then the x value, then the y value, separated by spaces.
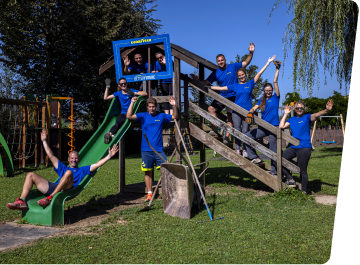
pixel 282 227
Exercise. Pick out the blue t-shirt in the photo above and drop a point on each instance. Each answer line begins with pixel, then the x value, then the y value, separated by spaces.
pixel 139 68
pixel 225 77
pixel 124 99
pixel 300 129
pixel 79 173
pixel 152 126
pixel 271 112
pixel 243 93
pixel 162 68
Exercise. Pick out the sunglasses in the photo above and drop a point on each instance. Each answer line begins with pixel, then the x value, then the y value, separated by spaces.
pixel 122 84
pixel 299 108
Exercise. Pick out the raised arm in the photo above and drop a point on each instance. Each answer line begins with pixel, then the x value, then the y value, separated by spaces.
pixel 106 94
pixel 276 85
pixel 329 106
pixel 101 162
pixel 283 124
pixel 218 88
pixel 130 113
pixel 175 114
pixel 250 56
pixel 256 78
pixel 54 160
pixel 141 93
pixel 126 65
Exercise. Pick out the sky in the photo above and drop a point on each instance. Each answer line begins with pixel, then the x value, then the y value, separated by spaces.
pixel 207 29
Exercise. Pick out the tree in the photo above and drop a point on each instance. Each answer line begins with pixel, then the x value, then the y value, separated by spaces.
pixel 58 46
pixel 251 71
pixel 321 31
pixel 10 83
pixel 291 97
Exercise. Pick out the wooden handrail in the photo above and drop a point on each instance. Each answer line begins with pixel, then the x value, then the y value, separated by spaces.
pixel 241 111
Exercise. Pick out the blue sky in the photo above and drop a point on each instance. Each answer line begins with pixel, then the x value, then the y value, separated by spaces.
pixel 206 28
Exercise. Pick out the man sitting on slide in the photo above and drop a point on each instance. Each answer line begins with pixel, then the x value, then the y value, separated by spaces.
pixel 70 177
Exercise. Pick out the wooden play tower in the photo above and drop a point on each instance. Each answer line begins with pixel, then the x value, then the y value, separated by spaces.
pixel 199 130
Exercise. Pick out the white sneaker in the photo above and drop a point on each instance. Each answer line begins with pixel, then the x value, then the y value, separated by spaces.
pixel 256 160
pixel 245 154
pixel 238 151
pixel 212 133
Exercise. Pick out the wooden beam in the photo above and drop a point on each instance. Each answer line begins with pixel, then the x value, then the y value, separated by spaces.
pixel 279 159
pixel 177 96
pixel 244 138
pixel 205 107
pixel 209 65
pixel 242 111
pixel 180 56
pixel 162 99
pixel 234 157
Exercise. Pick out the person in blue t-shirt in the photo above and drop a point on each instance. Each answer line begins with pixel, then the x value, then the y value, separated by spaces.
pixel 300 129
pixel 269 106
pixel 152 124
pixel 243 93
pixel 225 75
pixel 123 94
pixel 141 66
pixel 69 176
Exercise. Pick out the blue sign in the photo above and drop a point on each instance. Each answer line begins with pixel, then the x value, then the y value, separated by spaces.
pixel 132 43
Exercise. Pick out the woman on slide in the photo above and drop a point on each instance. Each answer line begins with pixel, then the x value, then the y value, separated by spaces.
pixel 300 129
pixel 124 95
pixel 269 106
pixel 243 92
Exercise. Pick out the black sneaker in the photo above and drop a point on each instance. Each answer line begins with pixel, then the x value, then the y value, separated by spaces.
pixel 107 138
pixel 290 182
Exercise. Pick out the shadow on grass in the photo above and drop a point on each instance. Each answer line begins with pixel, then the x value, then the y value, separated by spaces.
pixel 314 185
pixel 99 207
pixel 234 176
pixel 332 149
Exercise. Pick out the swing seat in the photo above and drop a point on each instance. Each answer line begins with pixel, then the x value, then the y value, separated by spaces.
pixel 328 142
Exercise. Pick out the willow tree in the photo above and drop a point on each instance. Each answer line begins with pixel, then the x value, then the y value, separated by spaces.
pixel 322 31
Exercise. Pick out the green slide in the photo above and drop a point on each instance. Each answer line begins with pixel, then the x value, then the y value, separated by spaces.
pixel 6 164
pixel 93 151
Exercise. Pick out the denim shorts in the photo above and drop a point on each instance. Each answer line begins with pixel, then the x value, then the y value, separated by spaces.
pixel 150 159
pixel 52 187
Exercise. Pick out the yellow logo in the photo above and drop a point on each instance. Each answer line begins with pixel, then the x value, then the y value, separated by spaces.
pixel 228 73
pixel 157 120
pixel 143 164
pixel 300 121
pixel 140 41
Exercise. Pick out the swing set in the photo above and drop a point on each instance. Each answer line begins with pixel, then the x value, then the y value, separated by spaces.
pixel 328 128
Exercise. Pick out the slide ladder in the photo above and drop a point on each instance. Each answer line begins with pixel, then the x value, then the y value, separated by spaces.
pixel 93 151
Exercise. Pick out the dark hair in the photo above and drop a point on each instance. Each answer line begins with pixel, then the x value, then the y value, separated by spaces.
pixel 138 53
pixel 75 152
pixel 151 101
pixel 121 78
pixel 158 53
pixel 217 56
pixel 242 70
pixel 263 101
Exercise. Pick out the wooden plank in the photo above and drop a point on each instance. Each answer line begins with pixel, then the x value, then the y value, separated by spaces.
pixel 21 102
pixel 313 133
pixel 186 97
pixel 209 65
pixel 180 56
pixel 241 111
pixel 234 157
pixel 162 99
pixel 244 138
pixel 25 124
pixel 202 120
pixel 342 125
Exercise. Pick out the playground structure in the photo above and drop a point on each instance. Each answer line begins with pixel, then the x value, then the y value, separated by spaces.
pixel 199 130
pixel 21 123
pixel 328 135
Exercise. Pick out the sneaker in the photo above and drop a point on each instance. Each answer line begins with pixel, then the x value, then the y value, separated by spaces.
pixel 303 192
pixel 45 202
pixel 238 151
pixel 107 138
pixel 18 205
pixel 290 182
pixel 148 197
pixel 275 176
pixel 255 160
pixel 226 141
pixel 214 134
pixel 245 154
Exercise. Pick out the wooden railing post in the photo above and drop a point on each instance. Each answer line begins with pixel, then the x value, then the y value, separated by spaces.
pixel 279 157
pixel 177 96
pixel 202 120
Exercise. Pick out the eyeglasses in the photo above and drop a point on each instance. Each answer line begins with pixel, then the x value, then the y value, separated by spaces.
pixel 122 84
pixel 299 108
pixel 268 91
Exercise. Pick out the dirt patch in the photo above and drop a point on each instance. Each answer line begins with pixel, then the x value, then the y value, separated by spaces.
pixel 326 199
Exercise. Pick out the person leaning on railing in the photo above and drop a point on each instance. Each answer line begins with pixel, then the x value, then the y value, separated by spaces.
pixel 300 129
pixel 269 105
pixel 243 92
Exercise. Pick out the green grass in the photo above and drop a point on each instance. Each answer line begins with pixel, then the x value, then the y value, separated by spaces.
pixel 282 227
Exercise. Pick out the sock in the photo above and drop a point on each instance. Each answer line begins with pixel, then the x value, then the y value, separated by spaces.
pixel 149 191
pixel 112 136
pixel 21 198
